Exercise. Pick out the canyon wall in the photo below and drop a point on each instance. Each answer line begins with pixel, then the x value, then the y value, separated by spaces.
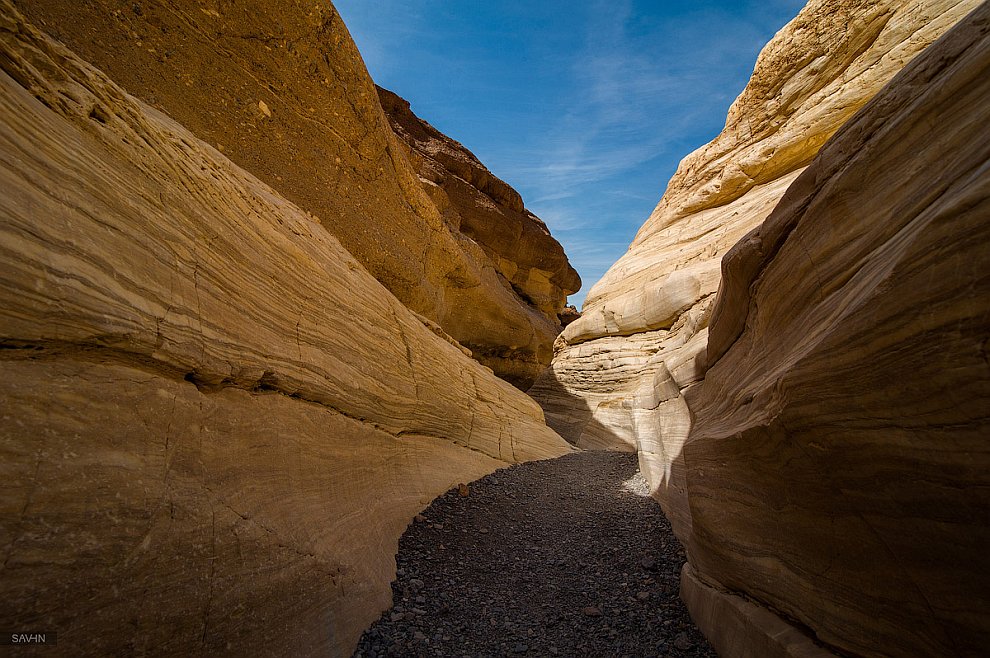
pixel 518 243
pixel 815 430
pixel 282 91
pixel 620 370
pixel 837 468
pixel 216 423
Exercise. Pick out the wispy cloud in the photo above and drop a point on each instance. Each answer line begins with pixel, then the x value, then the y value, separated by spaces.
pixel 585 107
pixel 383 29
pixel 645 92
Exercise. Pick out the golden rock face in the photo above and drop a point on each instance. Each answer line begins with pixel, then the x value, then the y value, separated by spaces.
pixel 524 257
pixel 281 90
pixel 217 422
pixel 235 304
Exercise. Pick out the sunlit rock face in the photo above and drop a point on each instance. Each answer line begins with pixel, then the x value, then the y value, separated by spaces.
pixel 837 470
pixel 531 264
pixel 281 90
pixel 644 327
pixel 216 423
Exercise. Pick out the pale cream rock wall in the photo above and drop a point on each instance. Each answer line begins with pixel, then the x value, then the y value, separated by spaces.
pixel 837 470
pixel 646 320
pixel 626 374
pixel 216 423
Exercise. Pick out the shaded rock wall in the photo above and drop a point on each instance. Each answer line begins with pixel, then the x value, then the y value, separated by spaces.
pixel 827 470
pixel 282 91
pixel 641 339
pixel 486 209
pixel 216 422
pixel 838 469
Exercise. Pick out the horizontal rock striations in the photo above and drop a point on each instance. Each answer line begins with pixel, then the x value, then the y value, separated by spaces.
pixel 530 263
pixel 619 370
pixel 216 422
pixel 807 484
pixel 837 470
pixel 281 90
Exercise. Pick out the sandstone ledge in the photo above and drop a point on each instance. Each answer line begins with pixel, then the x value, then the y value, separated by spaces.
pixel 739 628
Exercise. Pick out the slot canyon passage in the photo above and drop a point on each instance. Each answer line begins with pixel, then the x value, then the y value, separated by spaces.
pixel 288 371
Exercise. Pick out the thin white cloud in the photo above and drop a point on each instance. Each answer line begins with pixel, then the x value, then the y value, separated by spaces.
pixel 383 28
pixel 592 153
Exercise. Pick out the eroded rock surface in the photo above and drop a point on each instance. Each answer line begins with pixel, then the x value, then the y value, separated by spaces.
pixel 281 90
pixel 530 263
pixel 837 470
pixel 216 423
pixel 835 501
pixel 643 331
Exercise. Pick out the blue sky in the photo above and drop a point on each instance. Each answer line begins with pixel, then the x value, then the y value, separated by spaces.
pixel 585 107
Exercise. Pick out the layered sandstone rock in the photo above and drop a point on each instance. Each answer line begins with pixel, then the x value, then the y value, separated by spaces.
pixel 837 471
pixel 281 90
pixel 486 209
pixel 216 423
pixel 568 315
pixel 619 371
pixel 765 514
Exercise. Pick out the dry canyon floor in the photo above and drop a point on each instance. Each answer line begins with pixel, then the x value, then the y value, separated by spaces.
pixel 567 557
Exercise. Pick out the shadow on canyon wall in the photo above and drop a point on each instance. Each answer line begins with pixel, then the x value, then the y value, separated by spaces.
pixel 570 416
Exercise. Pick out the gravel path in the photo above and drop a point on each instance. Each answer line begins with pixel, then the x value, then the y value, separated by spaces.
pixel 563 557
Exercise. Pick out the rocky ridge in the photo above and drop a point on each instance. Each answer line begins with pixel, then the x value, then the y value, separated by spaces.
pixel 210 407
pixel 282 91
pixel 481 206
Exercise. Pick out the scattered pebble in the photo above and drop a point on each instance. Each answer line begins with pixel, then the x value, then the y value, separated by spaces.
pixel 524 559
pixel 682 641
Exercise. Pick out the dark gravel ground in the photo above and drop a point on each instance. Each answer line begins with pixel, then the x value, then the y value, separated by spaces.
pixel 565 557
